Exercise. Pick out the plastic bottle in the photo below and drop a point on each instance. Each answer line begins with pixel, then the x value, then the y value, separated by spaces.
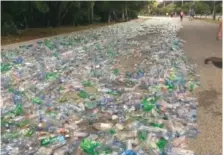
pixel 89 146
pixel 5 67
pixel 37 100
pixel 142 135
pixel 83 94
pixel 147 106
pixel 161 144
pixel 113 120
pixel 129 152
pixel 18 109
pixel 87 84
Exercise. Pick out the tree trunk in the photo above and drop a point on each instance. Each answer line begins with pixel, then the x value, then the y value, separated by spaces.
pixel 54 13
pixel 26 22
pixel 64 14
pixel 92 12
pixel 126 11
pixel 123 15
pixel 88 16
pixel 31 17
pixel 214 11
pixel 109 17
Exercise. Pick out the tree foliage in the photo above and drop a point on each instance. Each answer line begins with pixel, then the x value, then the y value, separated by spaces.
pixel 200 7
pixel 25 14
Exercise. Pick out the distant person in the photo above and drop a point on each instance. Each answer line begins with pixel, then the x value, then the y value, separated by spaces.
pixel 190 15
pixel 219 33
pixel 181 15
pixel 193 13
pixel 167 14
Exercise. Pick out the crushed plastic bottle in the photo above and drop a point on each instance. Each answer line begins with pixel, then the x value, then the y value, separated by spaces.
pixel 89 146
pixel 93 94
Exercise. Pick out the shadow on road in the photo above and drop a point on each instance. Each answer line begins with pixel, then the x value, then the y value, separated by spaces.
pixel 217 62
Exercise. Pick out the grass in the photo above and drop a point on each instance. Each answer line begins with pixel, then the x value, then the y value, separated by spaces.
pixel 37 33
pixel 209 20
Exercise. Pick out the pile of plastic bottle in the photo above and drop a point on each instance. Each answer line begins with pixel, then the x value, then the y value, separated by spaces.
pixel 122 89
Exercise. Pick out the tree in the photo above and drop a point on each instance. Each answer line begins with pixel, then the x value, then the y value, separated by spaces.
pixel 92 10
pixel 219 7
pixel 126 11
pixel 64 7
pixel 214 10
pixel 202 7
pixel 22 12
pixel 214 7
pixel 30 14
pixel 170 8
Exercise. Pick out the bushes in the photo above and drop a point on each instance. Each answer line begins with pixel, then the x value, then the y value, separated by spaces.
pixel 30 14
pixel 9 28
pixel 132 14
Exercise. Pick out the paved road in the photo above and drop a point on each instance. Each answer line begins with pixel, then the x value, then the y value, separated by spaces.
pixel 200 44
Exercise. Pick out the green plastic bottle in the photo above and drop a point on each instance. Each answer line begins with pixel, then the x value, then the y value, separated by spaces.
pixel 52 76
pixel 114 92
pixel 83 94
pixel 18 109
pixel 11 90
pixel 47 141
pixel 37 100
pixel 87 84
pixel 89 146
pixel 5 67
pixel 142 135
pixel 112 131
pixel 115 72
pixel 192 86
pixel 55 55
pixel 12 135
pixel 48 44
pixel 147 106
pixel 161 144
pixel 23 123
pixel 90 105
pixel 156 125
pixel 30 132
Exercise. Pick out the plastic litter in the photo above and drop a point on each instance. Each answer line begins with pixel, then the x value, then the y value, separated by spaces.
pixel 122 89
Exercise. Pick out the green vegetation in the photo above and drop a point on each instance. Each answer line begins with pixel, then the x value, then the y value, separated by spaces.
pixel 200 7
pixel 26 20
pixel 17 15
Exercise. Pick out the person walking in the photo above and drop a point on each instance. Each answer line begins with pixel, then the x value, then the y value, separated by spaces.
pixel 190 15
pixel 181 15
pixel 219 33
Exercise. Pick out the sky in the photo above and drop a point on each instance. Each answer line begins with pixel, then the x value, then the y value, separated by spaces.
pixel 159 1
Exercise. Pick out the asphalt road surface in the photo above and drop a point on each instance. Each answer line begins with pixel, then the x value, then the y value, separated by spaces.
pixel 200 44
